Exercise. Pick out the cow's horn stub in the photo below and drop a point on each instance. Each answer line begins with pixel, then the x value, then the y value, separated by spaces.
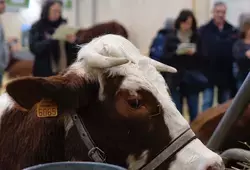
pixel 162 67
pixel 96 60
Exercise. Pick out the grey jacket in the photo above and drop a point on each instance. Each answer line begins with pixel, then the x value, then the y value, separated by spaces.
pixel 4 51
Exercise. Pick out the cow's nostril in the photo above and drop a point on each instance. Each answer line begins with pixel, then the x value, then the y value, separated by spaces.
pixel 210 168
pixel 215 167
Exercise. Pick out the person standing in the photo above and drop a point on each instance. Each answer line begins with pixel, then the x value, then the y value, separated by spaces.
pixel 4 51
pixel 217 39
pixel 241 53
pixel 181 51
pixel 46 49
pixel 158 43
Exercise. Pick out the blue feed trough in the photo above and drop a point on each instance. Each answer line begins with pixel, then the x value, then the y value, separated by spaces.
pixel 75 166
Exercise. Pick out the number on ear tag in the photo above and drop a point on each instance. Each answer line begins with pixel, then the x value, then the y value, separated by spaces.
pixel 46 108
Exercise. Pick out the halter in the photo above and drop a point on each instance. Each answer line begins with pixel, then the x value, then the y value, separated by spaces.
pixel 97 155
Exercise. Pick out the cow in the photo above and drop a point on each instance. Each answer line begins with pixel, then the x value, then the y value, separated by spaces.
pixel 123 102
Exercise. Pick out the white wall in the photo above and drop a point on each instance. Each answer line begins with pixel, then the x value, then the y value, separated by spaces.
pixel 142 18
pixel 12 21
pixel 202 10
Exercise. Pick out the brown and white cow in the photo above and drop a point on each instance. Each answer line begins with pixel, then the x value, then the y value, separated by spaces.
pixel 123 101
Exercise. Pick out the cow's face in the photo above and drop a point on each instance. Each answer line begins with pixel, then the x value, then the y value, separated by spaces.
pixel 126 108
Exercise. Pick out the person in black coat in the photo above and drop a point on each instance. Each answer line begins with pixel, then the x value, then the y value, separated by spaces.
pixel 217 38
pixel 186 82
pixel 46 49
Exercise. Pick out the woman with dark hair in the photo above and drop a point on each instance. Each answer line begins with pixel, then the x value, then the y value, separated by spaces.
pixel 46 49
pixel 241 53
pixel 181 52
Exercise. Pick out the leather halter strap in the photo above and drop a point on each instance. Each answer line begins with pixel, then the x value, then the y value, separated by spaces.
pixel 94 153
pixel 175 146
pixel 97 155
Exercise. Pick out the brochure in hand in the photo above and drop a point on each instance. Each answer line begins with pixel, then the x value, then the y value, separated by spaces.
pixel 62 32
pixel 184 47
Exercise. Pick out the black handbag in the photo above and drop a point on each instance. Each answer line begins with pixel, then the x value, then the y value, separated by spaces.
pixel 195 78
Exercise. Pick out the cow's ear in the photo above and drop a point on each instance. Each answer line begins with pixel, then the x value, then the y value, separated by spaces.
pixel 28 91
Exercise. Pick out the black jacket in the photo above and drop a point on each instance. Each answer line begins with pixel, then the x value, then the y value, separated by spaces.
pixel 45 50
pixel 182 63
pixel 217 53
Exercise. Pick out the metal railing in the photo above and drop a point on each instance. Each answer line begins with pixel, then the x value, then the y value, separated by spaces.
pixel 239 103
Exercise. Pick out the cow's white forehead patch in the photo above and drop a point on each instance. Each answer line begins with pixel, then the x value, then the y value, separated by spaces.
pixel 141 75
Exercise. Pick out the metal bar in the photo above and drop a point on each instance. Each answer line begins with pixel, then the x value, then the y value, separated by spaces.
pixel 239 103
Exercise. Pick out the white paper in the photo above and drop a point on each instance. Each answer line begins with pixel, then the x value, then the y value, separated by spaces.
pixel 63 31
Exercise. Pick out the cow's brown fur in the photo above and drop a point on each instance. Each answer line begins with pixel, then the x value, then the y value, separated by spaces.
pixel 28 140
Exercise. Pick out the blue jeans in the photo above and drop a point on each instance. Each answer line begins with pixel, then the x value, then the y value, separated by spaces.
pixel 208 97
pixel 192 101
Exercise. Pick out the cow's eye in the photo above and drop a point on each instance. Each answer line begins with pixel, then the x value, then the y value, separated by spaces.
pixel 134 103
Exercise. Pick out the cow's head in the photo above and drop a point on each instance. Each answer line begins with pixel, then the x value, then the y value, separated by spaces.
pixel 124 102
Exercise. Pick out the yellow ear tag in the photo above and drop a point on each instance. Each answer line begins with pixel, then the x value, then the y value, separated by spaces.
pixel 46 108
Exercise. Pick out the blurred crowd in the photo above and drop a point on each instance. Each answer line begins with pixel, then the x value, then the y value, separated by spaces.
pixel 214 55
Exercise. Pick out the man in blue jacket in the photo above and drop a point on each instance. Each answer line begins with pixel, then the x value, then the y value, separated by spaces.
pixel 217 39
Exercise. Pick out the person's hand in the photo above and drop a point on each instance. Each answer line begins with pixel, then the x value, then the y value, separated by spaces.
pixel 15 47
pixel 11 39
pixel 190 52
pixel 71 38
pixel 248 54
